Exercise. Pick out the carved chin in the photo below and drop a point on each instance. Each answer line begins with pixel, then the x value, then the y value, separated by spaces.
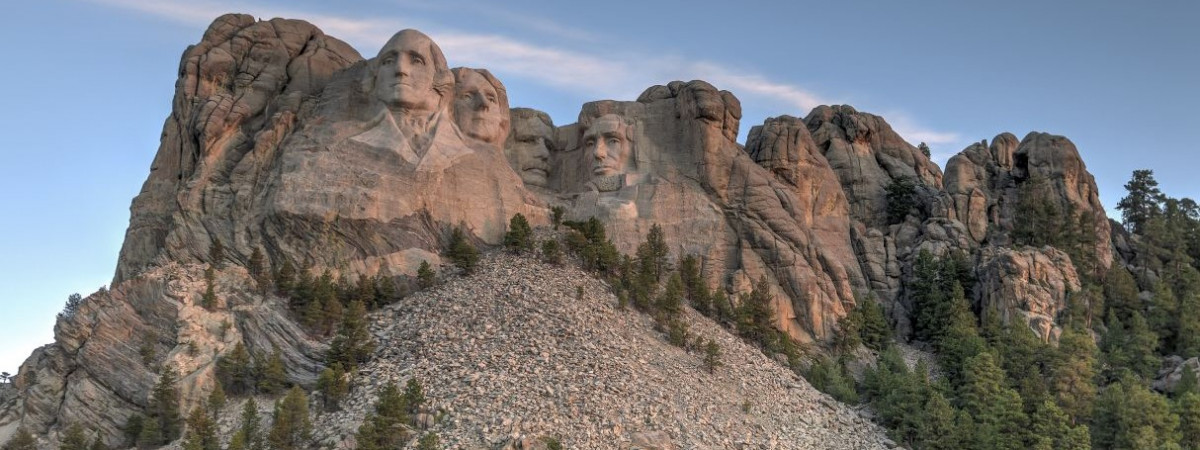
pixel 534 176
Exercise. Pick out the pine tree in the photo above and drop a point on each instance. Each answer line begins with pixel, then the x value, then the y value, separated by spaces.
pixel 133 429
pixel 1142 202
pixel 1187 382
pixel 22 440
pixel 712 356
pixel 353 344
pixel 1050 428
pixel 722 310
pixel 519 236
pixel 556 215
pixel 429 442
pixel 1128 415
pixel 1187 407
pixel 333 386
pixel 901 196
pixel 388 421
pixel 550 252
pixel 461 252
pixel 285 278
pixel 258 269
pixel 1187 343
pixel 74 302
pixel 164 408
pixel 74 438
pixel 151 435
pixel 425 275
pixel 997 409
pixel 216 400
pixel 1142 346
pixel 216 253
pixel 249 434
pixel 1073 372
pixel 670 303
pixel 654 253
pixel 209 299
pixel 292 428
pixel 235 371
pixel 695 287
pixel 414 395
pixel 201 432
pixel 756 317
pixel 937 425
pixel 272 374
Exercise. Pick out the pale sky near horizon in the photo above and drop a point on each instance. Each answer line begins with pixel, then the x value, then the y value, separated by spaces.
pixel 88 83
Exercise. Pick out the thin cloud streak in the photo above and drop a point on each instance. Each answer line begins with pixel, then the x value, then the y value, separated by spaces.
pixel 605 76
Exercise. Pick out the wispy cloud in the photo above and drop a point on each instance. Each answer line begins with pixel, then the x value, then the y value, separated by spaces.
pixel 612 75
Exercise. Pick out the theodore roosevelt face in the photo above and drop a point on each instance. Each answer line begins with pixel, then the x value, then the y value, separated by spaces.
pixel 529 149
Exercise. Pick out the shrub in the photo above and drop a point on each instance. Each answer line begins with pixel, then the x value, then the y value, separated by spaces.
pixel 712 356
pixel 425 275
pixel 519 236
pixel 550 252
pixel 901 196
pixel 462 253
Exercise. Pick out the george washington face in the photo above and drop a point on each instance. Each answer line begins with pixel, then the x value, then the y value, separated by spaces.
pixel 404 79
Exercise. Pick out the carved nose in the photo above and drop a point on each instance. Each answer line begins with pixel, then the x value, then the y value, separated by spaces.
pixel 601 152
pixel 481 103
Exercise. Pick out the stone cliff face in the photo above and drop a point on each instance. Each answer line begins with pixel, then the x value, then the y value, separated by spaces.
pixel 285 140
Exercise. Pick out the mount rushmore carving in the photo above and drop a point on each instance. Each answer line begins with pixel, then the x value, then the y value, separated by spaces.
pixel 326 160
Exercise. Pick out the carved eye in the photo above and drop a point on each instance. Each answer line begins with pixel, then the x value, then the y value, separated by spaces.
pixel 417 59
pixel 491 98
pixel 389 60
pixel 589 143
pixel 614 141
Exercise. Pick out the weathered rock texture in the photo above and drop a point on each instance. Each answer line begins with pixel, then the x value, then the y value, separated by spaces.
pixel 1027 285
pixel 239 93
pixel 105 358
pixel 511 355
pixel 286 140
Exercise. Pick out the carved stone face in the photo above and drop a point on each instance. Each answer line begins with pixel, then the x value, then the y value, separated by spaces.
pixel 529 150
pixel 477 108
pixel 405 75
pixel 606 145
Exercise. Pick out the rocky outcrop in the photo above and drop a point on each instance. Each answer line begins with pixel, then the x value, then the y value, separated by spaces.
pixel 867 155
pixel 239 93
pixel 1172 373
pixel 106 356
pixel 671 160
pixel 986 182
pixel 285 140
pixel 1028 286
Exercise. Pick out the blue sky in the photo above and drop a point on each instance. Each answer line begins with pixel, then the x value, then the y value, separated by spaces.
pixel 87 85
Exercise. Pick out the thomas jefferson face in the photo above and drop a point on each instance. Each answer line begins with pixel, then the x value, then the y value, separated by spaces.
pixel 607 146
pixel 477 108
pixel 528 151
pixel 404 79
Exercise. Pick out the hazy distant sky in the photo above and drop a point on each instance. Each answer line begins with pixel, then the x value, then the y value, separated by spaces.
pixel 86 86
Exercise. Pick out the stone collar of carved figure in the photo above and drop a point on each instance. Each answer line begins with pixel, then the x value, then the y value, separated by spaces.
pixel 529 150
pixel 607 146
pixel 432 152
pixel 479 106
